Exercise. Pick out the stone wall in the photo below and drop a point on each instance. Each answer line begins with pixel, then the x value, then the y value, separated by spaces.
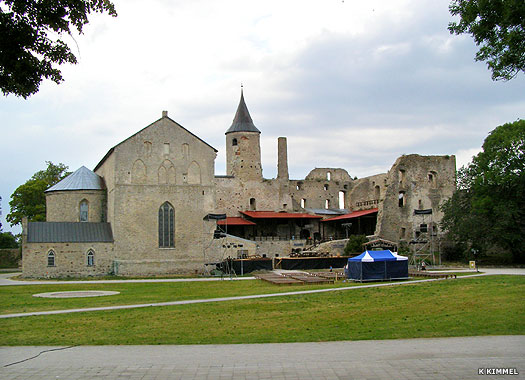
pixel 243 155
pixel 64 206
pixel 422 182
pixel 161 163
pixel 70 260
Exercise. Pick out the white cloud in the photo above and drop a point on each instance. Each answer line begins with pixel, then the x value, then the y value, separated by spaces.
pixel 352 84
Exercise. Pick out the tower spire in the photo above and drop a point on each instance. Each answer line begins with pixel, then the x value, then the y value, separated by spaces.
pixel 242 122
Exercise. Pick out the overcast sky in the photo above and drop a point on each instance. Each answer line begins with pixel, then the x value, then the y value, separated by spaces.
pixel 352 84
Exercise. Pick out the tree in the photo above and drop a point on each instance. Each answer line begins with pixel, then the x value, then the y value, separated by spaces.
pixel 31 45
pixel 355 244
pixel 499 27
pixel 8 240
pixel 29 199
pixel 488 209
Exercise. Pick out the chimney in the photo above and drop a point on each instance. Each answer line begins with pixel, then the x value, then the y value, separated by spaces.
pixel 164 113
pixel 282 159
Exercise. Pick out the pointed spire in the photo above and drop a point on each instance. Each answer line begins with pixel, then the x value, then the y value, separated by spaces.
pixel 242 122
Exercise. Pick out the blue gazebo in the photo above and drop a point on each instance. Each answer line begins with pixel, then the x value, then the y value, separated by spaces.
pixel 377 266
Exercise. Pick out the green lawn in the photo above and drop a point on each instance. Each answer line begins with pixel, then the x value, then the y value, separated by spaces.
pixel 492 305
pixel 19 299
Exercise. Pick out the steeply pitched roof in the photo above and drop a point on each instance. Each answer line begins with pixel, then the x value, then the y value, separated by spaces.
pixel 68 232
pixel 242 122
pixel 164 115
pixel 81 179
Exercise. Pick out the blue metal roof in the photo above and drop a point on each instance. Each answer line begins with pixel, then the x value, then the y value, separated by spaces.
pixel 69 232
pixel 82 179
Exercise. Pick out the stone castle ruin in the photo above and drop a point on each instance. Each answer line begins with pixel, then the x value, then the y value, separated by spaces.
pixel 142 210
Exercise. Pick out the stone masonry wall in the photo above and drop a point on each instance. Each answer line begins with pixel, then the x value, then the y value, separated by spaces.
pixel 64 206
pixel 70 259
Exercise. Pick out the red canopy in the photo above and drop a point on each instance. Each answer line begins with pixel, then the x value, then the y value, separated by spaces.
pixel 278 215
pixel 235 221
pixel 355 214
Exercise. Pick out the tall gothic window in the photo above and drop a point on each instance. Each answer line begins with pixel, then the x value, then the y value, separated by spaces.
pixel 84 211
pixel 166 226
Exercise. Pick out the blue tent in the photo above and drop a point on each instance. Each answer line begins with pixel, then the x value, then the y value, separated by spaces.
pixel 377 265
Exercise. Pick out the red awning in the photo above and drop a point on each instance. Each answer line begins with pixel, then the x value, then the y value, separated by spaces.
pixel 235 221
pixel 355 214
pixel 278 215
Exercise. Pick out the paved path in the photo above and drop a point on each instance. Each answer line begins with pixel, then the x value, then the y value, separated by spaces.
pixel 427 359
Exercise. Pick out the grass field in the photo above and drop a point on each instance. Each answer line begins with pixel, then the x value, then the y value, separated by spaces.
pixel 492 305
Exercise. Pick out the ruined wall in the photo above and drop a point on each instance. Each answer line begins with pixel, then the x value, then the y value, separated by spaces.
pixel 368 192
pixel 319 186
pixel 64 206
pixel 414 182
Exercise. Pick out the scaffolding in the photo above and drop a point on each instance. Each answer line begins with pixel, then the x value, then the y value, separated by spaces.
pixel 424 239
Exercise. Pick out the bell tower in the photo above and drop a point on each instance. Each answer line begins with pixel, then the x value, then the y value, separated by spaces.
pixel 243 147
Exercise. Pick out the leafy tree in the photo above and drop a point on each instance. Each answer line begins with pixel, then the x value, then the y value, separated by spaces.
pixel 488 209
pixel 355 244
pixel 8 240
pixel 29 199
pixel 499 27
pixel 31 45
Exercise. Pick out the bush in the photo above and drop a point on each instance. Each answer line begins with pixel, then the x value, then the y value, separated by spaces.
pixel 355 244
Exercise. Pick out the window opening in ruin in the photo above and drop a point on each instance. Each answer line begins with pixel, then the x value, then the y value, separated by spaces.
pixel 325 187
pixel 51 259
pixel 234 142
pixel 341 199
pixel 402 175
pixel 377 192
pixel 84 210
pixel 147 148
pixel 345 187
pixel 166 226
pixel 328 176
pixel 420 204
pixel 90 258
pixel 303 203
pixel 401 198
pixel 299 185
pixel 402 233
pixel 432 179
pixel 252 204
pixel 327 204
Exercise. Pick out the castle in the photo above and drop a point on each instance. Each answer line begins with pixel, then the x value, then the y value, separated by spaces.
pixel 143 208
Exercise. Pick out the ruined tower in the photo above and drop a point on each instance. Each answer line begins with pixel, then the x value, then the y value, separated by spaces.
pixel 243 148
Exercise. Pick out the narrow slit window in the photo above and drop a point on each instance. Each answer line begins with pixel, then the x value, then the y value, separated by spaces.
pixel 84 211
pixel 51 259
pixel 90 258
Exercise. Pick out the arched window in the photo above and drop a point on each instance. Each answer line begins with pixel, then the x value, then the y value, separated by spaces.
pixel 253 206
pixel 90 258
pixel 84 211
pixel 328 176
pixel 51 259
pixel 234 142
pixel 166 226
pixel 327 204
pixel 325 187
pixel 303 202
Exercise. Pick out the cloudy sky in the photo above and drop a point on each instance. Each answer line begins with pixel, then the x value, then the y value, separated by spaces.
pixel 352 84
